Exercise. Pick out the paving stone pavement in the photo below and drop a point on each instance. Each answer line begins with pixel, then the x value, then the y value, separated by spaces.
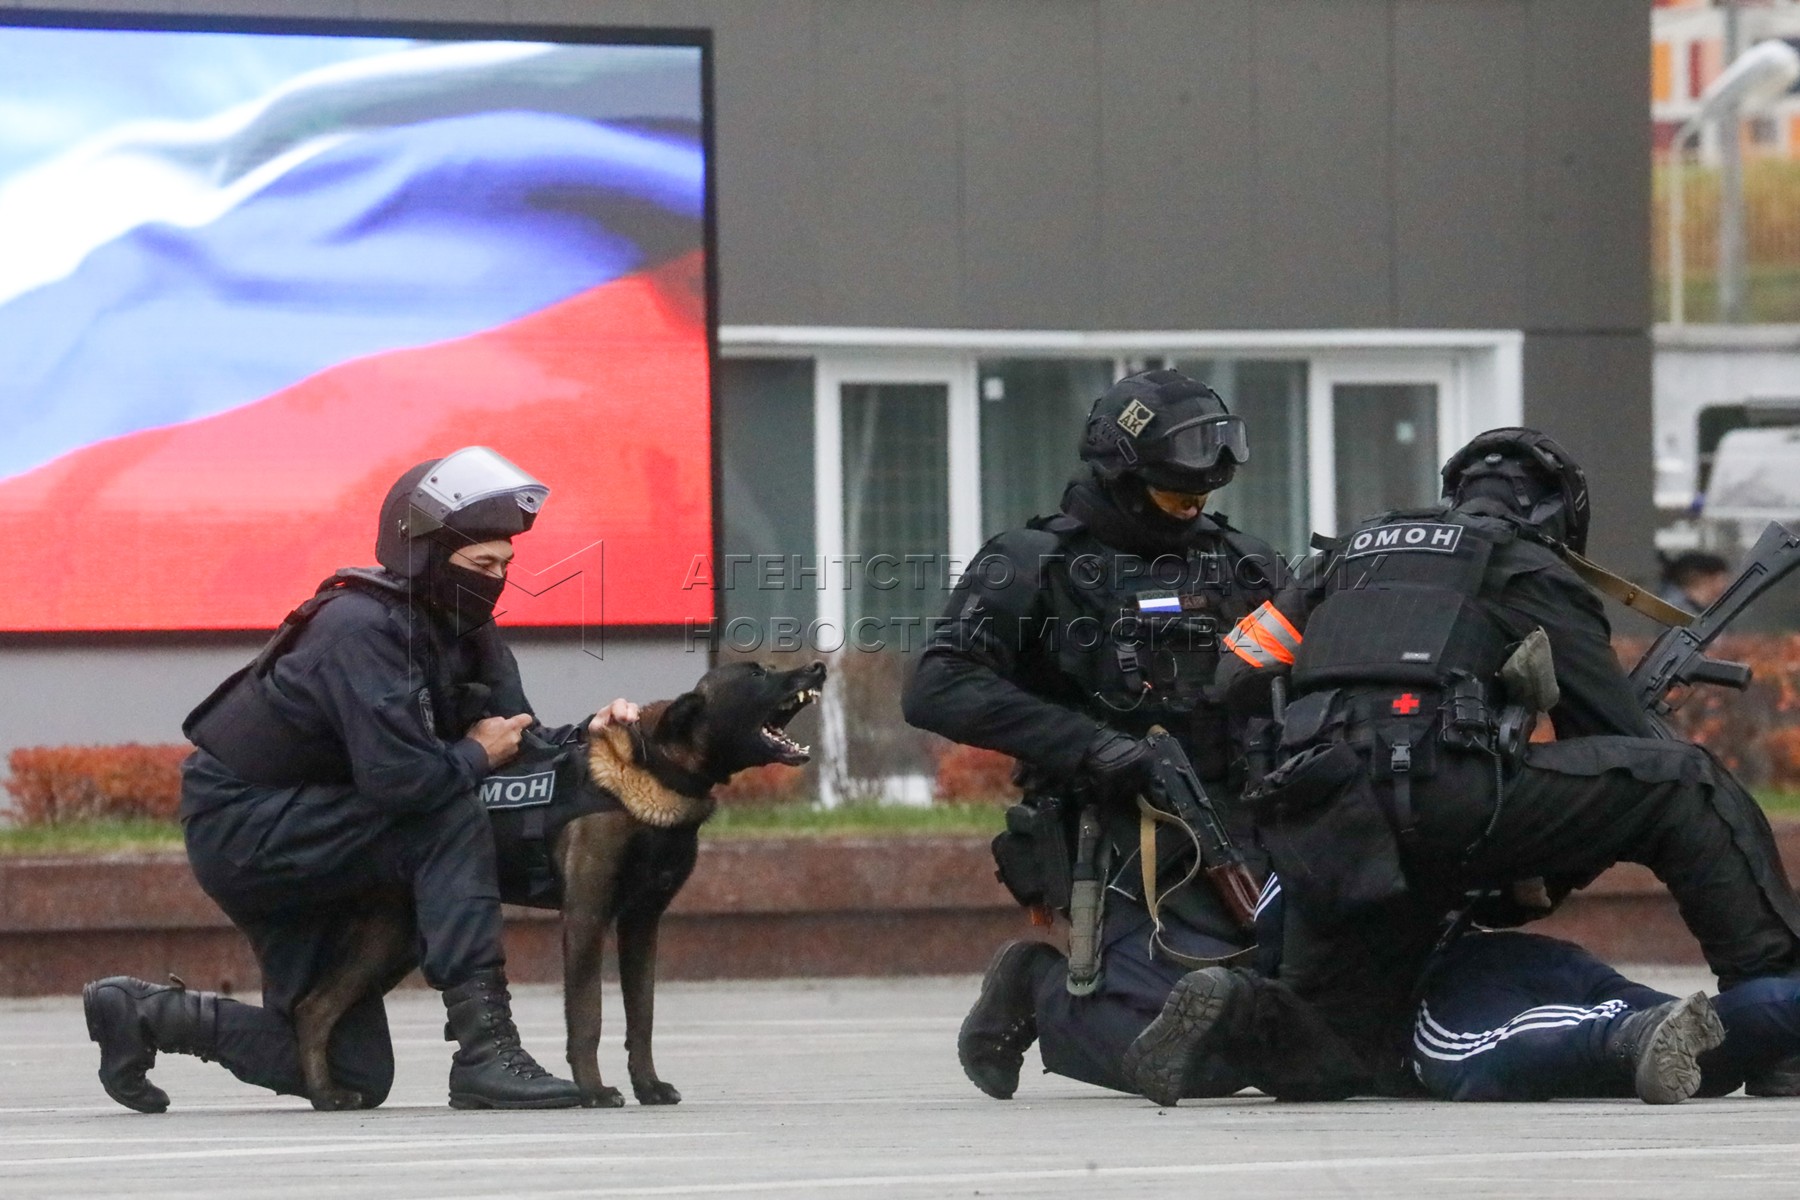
pixel 833 1088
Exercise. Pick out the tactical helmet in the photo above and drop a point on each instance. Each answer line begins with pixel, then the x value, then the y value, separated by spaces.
pixel 473 495
pixel 1528 471
pixel 1167 430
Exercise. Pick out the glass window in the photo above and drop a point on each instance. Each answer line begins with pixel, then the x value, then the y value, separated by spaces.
pixel 897 545
pixel 1269 496
pixel 1386 452
pixel 765 452
pixel 1032 413
pixel 896 503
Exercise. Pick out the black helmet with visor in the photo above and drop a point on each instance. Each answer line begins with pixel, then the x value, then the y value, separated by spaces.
pixel 1167 430
pixel 472 495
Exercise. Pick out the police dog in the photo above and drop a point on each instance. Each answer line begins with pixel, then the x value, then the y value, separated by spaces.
pixel 647 791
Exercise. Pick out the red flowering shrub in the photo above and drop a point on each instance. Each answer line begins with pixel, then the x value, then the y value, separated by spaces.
pixel 51 785
pixel 968 774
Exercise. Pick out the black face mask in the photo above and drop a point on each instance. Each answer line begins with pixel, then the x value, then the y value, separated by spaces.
pixel 1122 515
pixel 467 597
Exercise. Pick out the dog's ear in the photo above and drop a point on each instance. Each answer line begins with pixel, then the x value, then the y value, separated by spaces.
pixel 681 720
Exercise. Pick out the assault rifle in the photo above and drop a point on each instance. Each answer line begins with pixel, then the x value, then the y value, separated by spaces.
pixel 1176 788
pixel 1679 655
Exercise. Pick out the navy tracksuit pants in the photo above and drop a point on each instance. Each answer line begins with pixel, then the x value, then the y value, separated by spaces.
pixel 1520 1016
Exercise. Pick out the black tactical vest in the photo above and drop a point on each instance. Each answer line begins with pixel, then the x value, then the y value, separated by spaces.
pixel 1142 637
pixel 244 728
pixel 1402 608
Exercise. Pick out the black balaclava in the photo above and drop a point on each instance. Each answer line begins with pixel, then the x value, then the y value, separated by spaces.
pixel 464 595
pixel 1120 513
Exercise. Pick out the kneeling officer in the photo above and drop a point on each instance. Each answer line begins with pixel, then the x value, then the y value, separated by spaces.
pixel 1065 645
pixel 345 759
pixel 1418 648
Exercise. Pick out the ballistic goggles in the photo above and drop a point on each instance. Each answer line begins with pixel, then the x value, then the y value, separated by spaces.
pixel 1197 443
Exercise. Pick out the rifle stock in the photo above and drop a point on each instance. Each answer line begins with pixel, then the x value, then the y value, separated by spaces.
pixel 1237 888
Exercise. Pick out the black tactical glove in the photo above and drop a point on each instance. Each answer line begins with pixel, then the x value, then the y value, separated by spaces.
pixel 1117 764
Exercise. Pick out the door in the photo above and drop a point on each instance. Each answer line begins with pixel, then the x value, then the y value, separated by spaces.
pixel 1381 426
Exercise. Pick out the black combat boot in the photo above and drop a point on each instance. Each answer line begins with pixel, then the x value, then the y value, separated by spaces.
pixel 1656 1048
pixel 1002 1023
pixel 1221 1021
pixel 492 1070
pixel 131 1020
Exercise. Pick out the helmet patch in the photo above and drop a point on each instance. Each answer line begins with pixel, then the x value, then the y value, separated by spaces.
pixel 1135 417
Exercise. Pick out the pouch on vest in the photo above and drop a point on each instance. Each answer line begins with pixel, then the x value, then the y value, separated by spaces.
pixel 1310 718
pixel 1032 856
pixel 1328 837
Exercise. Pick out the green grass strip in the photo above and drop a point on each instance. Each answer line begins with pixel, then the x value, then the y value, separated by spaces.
pixel 854 820
pixel 797 820
pixel 1779 803
pixel 90 837
pixel 788 820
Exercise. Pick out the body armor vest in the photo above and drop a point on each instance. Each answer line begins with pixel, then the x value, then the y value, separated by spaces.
pixel 1142 636
pixel 1402 609
pixel 243 726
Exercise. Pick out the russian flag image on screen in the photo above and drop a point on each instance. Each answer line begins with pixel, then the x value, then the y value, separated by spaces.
pixel 247 280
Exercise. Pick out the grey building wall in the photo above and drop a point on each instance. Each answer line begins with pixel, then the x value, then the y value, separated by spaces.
pixel 1108 164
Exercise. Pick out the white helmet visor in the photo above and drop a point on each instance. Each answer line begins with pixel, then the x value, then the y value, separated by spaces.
pixel 467 478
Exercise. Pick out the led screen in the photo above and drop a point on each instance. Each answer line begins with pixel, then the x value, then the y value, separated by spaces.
pixel 248 278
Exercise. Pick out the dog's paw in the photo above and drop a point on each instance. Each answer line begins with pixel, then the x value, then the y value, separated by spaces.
pixel 606 1097
pixel 337 1100
pixel 656 1092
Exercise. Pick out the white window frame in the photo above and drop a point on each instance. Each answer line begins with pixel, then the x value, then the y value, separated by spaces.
pixel 956 373
pixel 1327 371
pixel 1479 375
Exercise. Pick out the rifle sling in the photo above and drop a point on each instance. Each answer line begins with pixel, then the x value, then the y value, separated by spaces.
pixel 1626 592
pixel 1149 816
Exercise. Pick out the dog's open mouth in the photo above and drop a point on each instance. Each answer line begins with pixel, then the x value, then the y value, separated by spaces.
pixel 774 730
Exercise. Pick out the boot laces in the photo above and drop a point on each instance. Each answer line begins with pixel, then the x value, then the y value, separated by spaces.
pixel 508 1047
pixel 1020 1034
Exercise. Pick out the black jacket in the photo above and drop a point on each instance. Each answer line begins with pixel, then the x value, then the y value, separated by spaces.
pixel 991 675
pixel 373 675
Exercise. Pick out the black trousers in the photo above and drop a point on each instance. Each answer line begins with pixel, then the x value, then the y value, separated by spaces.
pixel 289 865
pixel 1572 810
